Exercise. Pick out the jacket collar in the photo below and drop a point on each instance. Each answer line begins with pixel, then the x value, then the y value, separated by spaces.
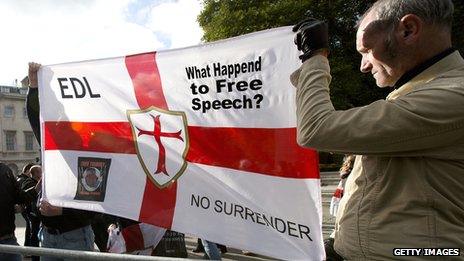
pixel 422 67
pixel 448 63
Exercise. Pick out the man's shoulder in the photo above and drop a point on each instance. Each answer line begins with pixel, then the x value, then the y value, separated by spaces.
pixel 454 73
pixel 21 176
pixel 450 79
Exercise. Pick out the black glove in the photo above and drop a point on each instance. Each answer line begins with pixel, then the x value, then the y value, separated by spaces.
pixel 312 35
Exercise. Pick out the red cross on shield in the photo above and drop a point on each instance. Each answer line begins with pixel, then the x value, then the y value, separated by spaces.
pixel 161 142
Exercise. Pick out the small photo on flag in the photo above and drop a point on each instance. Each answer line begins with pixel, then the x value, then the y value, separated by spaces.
pixel 92 177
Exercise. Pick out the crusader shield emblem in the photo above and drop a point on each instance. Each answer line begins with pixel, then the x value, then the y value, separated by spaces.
pixel 161 142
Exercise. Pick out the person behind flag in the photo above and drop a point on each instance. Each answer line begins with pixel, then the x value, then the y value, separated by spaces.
pixel 24 176
pixel 10 195
pixel 28 183
pixel 344 172
pixel 62 228
pixel 406 186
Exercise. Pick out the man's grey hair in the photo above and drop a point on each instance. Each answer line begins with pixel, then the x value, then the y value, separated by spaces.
pixel 432 12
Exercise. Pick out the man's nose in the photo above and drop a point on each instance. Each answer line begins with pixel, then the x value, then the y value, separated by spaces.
pixel 366 65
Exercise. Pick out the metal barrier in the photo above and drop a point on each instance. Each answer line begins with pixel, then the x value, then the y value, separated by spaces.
pixel 81 255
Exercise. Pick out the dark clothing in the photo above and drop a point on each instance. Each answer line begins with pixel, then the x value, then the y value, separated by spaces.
pixel 330 253
pixel 71 219
pixel 100 226
pixel 10 194
pixel 21 179
pixel 27 239
pixel 31 237
pixel 33 109
pixel 27 233
pixel 34 223
pixel 27 183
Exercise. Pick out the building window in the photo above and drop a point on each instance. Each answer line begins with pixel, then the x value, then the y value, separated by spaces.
pixel 29 139
pixel 5 89
pixel 8 111
pixel 10 139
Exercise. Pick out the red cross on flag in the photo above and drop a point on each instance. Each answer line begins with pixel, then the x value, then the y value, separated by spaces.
pixel 199 140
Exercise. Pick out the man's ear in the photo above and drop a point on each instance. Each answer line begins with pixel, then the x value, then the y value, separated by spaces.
pixel 410 28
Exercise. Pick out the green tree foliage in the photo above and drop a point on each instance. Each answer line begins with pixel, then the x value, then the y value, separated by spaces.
pixel 227 18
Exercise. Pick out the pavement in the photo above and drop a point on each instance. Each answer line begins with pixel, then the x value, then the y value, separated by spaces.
pixel 190 243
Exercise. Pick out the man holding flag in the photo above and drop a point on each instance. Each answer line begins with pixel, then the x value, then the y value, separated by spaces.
pixel 62 228
pixel 405 189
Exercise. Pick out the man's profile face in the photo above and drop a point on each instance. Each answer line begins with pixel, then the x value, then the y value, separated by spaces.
pixel 378 57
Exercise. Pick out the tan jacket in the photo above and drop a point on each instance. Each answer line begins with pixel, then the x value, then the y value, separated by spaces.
pixel 407 187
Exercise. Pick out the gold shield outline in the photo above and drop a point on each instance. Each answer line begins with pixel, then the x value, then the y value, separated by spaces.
pixel 184 154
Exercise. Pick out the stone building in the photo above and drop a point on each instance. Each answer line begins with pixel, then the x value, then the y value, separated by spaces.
pixel 18 146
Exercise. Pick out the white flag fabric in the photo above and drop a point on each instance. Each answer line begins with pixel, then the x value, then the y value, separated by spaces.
pixel 199 140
